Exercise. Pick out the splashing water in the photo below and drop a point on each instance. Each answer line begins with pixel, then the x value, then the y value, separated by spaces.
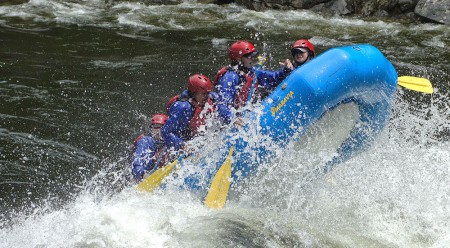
pixel 394 194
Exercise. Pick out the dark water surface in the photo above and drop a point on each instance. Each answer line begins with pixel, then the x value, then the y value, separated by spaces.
pixel 78 81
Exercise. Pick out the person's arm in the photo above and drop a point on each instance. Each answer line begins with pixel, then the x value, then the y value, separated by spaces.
pixel 143 157
pixel 226 89
pixel 269 79
pixel 180 114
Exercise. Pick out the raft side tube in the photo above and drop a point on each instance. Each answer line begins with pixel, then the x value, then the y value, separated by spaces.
pixel 359 74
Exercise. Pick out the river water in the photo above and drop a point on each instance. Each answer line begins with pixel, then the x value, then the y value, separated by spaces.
pixel 79 80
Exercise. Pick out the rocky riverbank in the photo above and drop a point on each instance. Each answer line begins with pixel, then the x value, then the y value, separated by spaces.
pixel 425 10
pixel 430 10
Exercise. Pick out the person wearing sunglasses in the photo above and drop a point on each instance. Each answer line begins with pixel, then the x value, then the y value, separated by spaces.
pixel 149 149
pixel 241 82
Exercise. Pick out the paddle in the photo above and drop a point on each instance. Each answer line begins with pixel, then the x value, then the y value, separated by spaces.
pixel 416 83
pixel 217 194
pixel 155 179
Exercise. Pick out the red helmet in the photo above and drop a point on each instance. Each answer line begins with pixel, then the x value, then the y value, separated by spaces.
pixel 304 44
pixel 159 119
pixel 240 48
pixel 199 83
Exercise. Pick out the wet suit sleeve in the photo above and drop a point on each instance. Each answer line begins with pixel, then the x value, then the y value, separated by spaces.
pixel 226 89
pixel 270 79
pixel 143 157
pixel 180 114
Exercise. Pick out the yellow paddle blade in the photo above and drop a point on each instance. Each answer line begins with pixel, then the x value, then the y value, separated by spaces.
pixel 155 179
pixel 416 83
pixel 217 194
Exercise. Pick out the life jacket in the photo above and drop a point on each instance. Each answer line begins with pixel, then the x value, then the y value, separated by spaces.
pixel 198 117
pixel 244 87
pixel 133 149
pixel 161 155
pixel 220 73
pixel 241 96
pixel 170 102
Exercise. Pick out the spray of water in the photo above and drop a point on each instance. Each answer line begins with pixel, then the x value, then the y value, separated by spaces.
pixel 395 193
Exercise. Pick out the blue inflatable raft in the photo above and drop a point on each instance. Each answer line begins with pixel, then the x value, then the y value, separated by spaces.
pixel 358 74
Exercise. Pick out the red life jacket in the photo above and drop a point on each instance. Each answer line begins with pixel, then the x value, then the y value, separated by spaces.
pixel 170 102
pixel 241 96
pixel 219 74
pixel 133 150
pixel 199 117
pixel 162 157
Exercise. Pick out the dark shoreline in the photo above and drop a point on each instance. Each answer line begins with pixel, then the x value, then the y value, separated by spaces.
pixel 410 11
pixel 422 11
